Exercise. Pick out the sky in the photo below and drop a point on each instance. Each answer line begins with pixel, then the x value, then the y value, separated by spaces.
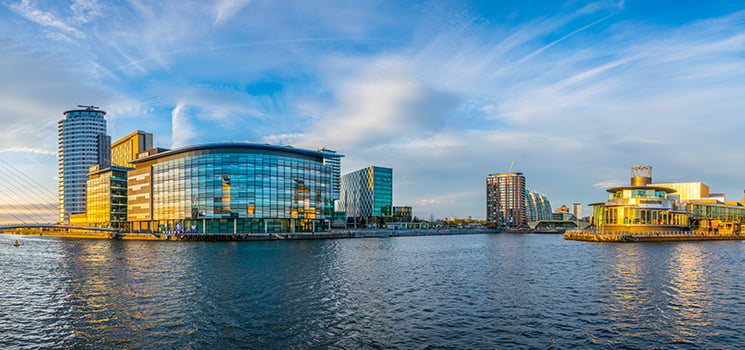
pixel 444 92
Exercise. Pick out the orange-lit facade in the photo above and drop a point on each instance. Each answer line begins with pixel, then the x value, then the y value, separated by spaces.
pixel 640 207
pixel 128 147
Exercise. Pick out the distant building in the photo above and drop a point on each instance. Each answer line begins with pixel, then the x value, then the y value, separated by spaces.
pixel 128 147
pixel 505 200
pixel 562 214
pixel 538 206
pixel 83 143
pixel 107 197
pixel 367 193
pixel 577 210
pixel 402 214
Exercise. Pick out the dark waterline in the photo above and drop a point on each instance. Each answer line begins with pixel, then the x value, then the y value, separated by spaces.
pixel 468 292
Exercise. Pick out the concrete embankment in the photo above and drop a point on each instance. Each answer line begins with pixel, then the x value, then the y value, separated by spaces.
pixel 649 237
pixel 366 233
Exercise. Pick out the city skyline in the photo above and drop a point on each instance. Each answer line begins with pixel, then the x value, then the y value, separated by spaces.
pixel 444 93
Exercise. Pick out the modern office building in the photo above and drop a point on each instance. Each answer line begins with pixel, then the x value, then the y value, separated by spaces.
pixel 367 193
pixel 505 200
pixel 106 197
pixel 83 143
pixel 231 188
pixel 128 147
pixel 335 164
pixel 402 214
pixel 538 206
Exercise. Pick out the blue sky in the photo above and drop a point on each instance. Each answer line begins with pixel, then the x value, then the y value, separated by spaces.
pixel 443 92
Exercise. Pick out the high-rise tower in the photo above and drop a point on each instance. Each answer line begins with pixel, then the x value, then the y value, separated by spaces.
pixel 505 200
pixel 83 143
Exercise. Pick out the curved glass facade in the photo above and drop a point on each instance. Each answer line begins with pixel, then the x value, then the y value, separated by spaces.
pixel 236 188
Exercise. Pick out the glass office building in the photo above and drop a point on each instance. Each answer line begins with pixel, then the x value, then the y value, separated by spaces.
pixel 367 192
pixel 232 188
pixel 107 197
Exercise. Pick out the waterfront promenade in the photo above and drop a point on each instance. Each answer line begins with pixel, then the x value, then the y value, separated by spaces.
pixel 184 236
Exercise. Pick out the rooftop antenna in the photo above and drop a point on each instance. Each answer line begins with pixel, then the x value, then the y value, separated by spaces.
pixel 511 165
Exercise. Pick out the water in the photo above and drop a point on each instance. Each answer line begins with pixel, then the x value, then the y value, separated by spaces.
pixel 468 292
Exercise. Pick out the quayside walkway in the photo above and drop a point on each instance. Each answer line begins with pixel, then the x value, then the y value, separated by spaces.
pixel 360 233
pixel 101 233
pixel 655 236
pixel 58 230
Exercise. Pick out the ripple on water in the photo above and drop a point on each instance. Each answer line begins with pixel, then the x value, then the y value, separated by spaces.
pixel 479 291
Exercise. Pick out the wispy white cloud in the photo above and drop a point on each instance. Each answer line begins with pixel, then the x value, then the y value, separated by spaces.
pixel 182 130
pixel 441 94
pixel 86 10
pixel 28 10
pixel 610 183
pixel 225 9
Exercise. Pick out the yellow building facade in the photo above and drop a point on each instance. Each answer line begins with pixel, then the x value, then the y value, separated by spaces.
pixel 672 207
pixel 687 190
pixel 106 197
pixel 126 149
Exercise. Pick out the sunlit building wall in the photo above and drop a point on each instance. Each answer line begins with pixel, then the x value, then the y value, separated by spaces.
pixel 367 192
pixel 231 187
pixel 128 147
pixel 83 143
pixel 640 207
pixel 107 197
pixel 505 200
pixel 687 190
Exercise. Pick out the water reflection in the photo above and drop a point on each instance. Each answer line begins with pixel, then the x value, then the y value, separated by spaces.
pixel 481 291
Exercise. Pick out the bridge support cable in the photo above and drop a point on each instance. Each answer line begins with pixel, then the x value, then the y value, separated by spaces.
pixel 11 210
pixel 19 187
pixel 24 191
pixel 22 199
pixel 33 184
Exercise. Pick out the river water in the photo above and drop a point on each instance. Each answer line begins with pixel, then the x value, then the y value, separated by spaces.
pixel 466 292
